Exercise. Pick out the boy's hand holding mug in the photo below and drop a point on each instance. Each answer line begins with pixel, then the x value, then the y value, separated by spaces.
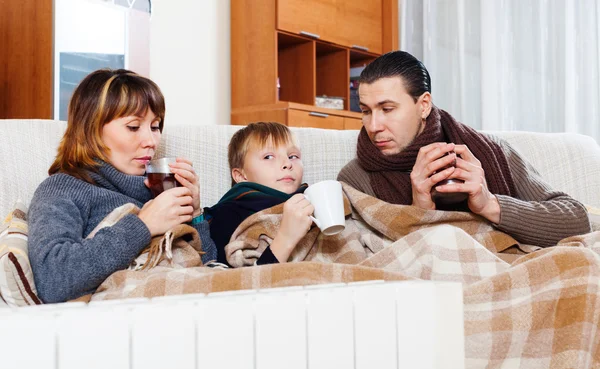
pixel 325 201
pixel 295 224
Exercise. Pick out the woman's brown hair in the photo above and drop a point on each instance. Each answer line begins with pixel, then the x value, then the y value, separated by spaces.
pixel 102 96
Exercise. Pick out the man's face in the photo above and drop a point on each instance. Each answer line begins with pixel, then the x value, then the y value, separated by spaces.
pixel 390 115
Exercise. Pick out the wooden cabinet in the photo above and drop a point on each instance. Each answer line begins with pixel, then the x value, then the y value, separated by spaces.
pixel 301 118
pixel 351 123
pixel 26 59
pixel 360 25
pixel 315 18
pixel 285 53
pixel 298 115
pixel 350 23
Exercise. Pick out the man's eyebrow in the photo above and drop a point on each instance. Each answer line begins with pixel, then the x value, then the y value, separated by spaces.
pixel 386 102
pixel 380 103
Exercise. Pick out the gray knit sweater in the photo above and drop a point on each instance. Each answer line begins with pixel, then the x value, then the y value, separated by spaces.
pixel 64 210
pixel 538 215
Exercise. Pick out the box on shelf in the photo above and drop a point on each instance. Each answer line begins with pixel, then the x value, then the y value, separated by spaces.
pixel 330 102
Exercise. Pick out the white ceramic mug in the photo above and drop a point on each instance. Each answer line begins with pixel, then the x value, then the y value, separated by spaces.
pixel 326 197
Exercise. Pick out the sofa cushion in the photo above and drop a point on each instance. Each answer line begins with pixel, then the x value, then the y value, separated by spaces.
pixel 17 287
pixel 568 162
pixel 324 153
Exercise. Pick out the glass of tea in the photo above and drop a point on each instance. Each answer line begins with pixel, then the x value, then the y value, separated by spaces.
pixel 160 176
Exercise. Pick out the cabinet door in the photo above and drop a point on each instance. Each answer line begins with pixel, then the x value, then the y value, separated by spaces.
pixel 301 118
pixel 314 17
pixel 352 123
pixel 360 23
pixel 343 22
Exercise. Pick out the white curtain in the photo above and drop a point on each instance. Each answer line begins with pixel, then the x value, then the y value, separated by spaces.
pixel 530 65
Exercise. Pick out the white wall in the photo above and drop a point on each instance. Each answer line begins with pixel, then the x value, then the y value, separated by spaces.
pixel 85 27
pixel 138 35
pixel 189 59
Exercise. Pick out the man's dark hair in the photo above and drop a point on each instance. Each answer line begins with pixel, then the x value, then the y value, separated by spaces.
pixel 399 64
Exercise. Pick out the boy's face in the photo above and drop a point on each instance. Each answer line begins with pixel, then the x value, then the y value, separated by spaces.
pixel 278 167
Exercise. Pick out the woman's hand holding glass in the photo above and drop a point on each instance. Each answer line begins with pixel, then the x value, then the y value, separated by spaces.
pixel 185 174
pixel 169 209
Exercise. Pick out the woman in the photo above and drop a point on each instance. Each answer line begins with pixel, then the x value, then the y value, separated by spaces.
pixel 114 126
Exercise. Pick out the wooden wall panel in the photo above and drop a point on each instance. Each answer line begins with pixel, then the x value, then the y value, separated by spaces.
pixel 253 53
pixel 390 25
pixel 26 72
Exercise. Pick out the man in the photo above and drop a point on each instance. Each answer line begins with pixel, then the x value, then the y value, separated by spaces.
pixel 408 145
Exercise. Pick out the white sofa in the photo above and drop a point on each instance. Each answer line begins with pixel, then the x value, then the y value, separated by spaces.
pixel 569 162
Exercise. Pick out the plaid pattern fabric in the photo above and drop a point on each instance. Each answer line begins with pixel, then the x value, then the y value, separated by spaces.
pixel 183 237
pixel 17 286
pixel 541 311
pixel 163 281
pixel 375 230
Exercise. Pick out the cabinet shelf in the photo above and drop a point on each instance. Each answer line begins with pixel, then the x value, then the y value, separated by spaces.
pixel 285 53
pixel 296 69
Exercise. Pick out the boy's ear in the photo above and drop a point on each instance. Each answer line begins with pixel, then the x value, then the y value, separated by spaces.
pixel 238 175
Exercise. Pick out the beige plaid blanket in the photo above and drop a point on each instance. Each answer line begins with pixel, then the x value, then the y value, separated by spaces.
pixel 540 311
pixel 183 238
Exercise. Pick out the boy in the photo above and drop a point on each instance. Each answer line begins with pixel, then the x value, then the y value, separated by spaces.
pixel 266 170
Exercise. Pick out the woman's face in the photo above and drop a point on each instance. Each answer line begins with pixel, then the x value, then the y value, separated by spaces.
pixel 132 142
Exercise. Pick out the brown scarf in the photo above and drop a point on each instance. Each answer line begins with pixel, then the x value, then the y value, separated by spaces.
pixel 390 175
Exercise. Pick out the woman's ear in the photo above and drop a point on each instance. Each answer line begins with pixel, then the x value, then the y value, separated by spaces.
pixel 238 175
pixel 425 103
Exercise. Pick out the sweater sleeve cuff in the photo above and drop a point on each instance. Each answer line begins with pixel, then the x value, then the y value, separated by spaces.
pixel 136 231
pixel 208 245
pixel 267 257
pixel 538 224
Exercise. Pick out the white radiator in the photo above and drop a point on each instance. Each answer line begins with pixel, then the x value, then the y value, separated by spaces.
pixel 359 325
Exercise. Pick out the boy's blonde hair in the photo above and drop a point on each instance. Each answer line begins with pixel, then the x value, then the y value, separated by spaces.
pixel 255 135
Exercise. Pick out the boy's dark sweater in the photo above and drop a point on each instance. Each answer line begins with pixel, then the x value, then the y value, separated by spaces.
pixel 243 200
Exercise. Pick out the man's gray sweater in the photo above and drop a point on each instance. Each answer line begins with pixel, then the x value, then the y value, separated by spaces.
pixel 64 210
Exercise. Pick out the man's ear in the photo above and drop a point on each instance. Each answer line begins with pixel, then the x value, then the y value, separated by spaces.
pixel 425 103
pixel 238 175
